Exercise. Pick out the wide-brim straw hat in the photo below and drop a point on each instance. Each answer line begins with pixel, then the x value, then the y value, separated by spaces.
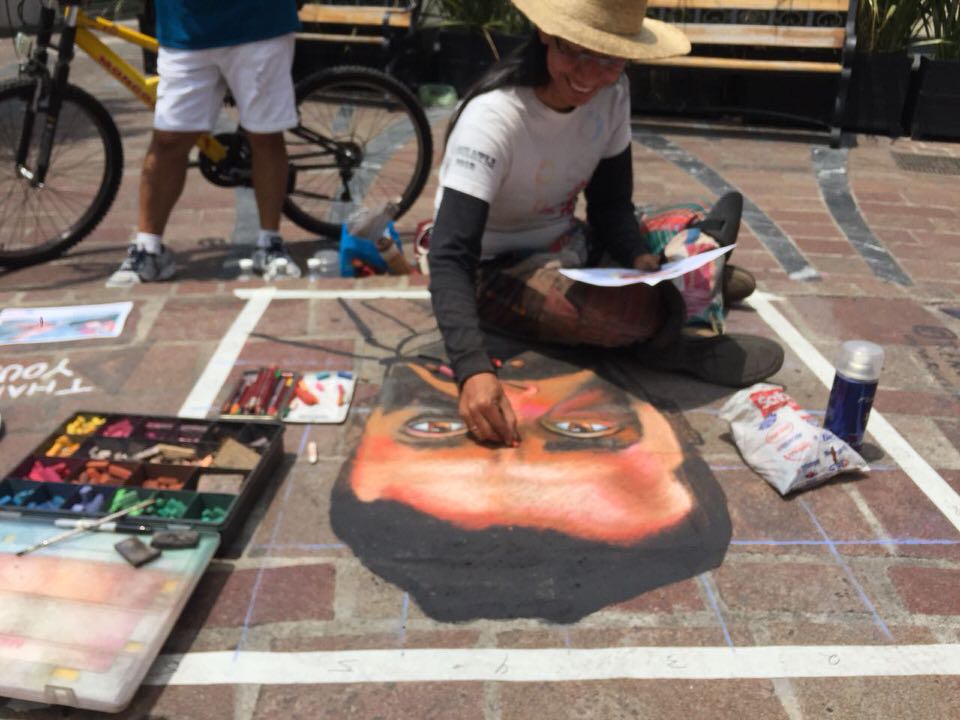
pixel 613 27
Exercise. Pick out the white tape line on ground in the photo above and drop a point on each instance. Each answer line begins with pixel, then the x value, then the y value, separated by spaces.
pixel 204 392
pixel 371 294
pixel 893 443
pixel 553 665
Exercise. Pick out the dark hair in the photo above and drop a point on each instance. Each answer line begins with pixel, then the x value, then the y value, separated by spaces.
pixel 524 67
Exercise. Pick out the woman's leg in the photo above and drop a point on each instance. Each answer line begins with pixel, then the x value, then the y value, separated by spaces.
pixel 543 305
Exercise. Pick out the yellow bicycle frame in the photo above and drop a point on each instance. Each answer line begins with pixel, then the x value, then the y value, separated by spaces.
pixel 143 87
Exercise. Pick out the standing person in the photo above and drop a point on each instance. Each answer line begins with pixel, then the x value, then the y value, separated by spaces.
pixel 549 123
pixel 207 47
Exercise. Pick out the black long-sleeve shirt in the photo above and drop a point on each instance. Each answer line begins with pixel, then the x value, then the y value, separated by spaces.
pixel 455 246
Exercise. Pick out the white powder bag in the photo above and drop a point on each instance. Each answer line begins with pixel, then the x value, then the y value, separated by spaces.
pixel 783 443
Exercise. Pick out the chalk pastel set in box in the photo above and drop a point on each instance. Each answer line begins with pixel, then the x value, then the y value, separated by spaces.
pixel 201 474
pixel 310 397
pixel 84 610
pixel 79 625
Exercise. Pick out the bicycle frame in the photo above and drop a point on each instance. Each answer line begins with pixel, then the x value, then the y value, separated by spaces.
pixel 78 30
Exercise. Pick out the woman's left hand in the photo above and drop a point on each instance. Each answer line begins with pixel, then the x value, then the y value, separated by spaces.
pixel 648 262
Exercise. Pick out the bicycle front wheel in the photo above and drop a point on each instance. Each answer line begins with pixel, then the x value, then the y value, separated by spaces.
pixel 363 140
pixel 38 222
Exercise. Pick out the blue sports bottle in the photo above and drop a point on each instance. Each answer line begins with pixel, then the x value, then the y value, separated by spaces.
pixel 854 385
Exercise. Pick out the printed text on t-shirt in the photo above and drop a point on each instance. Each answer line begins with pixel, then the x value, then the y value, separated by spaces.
pixel 467 157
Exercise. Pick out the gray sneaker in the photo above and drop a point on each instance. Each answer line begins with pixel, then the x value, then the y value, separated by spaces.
pixel 274 261
pixel 141 266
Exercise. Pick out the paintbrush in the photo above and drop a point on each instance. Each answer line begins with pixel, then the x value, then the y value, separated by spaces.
pixel 86 526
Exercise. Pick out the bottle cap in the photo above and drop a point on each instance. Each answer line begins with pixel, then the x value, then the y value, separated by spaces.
pixel 860 360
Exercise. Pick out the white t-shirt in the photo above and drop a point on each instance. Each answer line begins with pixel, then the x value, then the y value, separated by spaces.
pixel 530 162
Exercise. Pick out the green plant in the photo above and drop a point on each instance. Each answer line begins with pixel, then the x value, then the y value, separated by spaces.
pixel 941 28
pixel 885 26
pixel 488 15
pixel 482 16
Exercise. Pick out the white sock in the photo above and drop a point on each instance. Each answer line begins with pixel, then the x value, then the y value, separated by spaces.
pixel 148 242
pixel 265 236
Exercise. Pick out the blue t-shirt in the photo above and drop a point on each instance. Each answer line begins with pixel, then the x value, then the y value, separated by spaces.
pixel 200 24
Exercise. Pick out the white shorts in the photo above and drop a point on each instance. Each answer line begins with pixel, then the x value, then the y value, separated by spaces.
pixel 193 83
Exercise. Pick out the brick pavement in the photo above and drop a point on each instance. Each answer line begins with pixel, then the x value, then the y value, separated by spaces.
pixel 867 563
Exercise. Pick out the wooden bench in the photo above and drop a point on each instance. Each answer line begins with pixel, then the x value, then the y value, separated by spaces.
pixel 357 24
pixel 767 36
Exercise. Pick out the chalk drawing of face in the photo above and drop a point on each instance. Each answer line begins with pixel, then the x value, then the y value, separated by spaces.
pixel 599 474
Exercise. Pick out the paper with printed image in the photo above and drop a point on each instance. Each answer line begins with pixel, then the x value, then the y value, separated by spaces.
pixel 59 324
pixel 618 277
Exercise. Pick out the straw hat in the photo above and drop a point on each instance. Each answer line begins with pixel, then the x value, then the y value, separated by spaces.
pixel 611 27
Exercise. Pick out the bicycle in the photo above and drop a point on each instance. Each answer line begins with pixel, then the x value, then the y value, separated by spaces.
pixel 362 139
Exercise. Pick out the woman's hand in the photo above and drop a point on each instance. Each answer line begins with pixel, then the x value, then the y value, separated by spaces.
pixel 486 410
pixel 648 262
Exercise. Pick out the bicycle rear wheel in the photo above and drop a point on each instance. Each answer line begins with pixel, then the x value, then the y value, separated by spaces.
pixel 39 222
pixel 363 140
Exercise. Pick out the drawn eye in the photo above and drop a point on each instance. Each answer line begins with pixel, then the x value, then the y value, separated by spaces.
pixel 435 426
pixel 581 428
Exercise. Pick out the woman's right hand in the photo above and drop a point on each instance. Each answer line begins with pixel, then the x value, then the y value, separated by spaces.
pixel 486 410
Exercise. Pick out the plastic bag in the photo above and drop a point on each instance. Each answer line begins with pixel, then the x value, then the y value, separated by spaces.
pixel 783 443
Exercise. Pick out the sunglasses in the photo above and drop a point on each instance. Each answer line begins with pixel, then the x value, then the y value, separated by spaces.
pixel 579 55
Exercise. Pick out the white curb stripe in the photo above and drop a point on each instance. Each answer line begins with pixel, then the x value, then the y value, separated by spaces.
pixel 554 665
pixel 372 294
pixel 215 374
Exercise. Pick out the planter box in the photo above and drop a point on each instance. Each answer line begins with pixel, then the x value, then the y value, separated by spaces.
pixel 878 93
pixel 937 110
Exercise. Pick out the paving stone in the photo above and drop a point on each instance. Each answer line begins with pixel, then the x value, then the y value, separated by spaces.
pixel 408 639
pixel 297 524
pixel 255 597
pixel 862 318
pixel 760 514
pixel 796 587
pixel 215 702
pixel 837 513
pixel 681 596
pixel 928 590
pixel 184 319
pixel 841 631
pixel 622 699
pixel 363 596
pixel 906 698
pixel 905 512
pixel 394 701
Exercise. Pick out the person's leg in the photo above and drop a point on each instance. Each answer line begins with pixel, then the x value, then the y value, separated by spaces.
pixel 542 305
pixel 546 306
pixel 258 75
pixel 270 170
pixel 188 99
pixel 162 178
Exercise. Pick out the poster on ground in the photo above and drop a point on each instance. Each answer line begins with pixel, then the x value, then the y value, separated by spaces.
pixel 60 324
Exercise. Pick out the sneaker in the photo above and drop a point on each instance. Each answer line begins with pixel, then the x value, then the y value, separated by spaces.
pixel 141 266
pixel 722 223
pixel 736 361
pixel 274 261
pixel 738 284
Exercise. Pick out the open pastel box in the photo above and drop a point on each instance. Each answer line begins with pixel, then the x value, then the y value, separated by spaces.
pixel 293 397
pixel 79 625
pixel 203 474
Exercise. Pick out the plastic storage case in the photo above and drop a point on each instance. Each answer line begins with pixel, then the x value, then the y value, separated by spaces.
pixel 109 455
pixel 79 625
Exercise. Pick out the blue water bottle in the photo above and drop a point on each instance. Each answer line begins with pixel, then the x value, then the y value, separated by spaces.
pixel 854 385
